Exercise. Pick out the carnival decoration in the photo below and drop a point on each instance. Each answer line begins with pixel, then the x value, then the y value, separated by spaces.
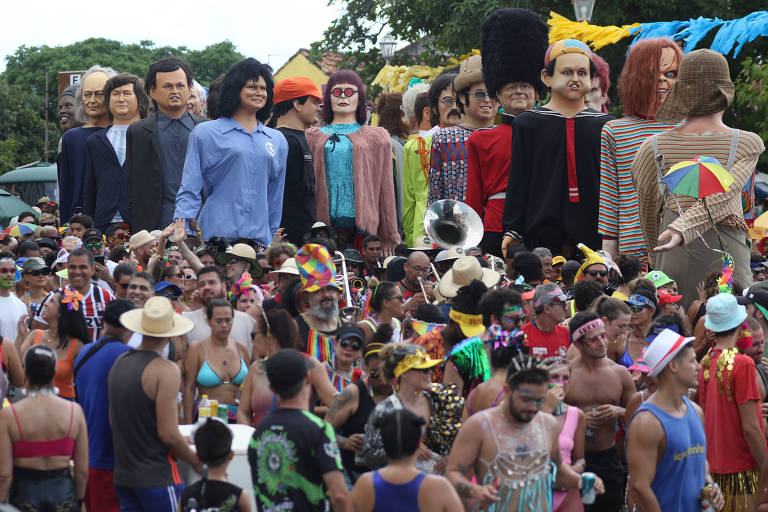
pixel 399 78
pixel 731 35
pixel 21 229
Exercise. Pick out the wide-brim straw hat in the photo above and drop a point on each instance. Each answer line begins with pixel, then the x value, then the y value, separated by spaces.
pixel 464 271
pixel 703 87
pixel 140 238
pixel 156 319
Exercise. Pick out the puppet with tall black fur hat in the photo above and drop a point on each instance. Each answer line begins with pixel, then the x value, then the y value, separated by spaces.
pixel 513 45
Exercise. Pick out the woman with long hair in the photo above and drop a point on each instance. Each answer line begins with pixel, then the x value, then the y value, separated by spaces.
pixel 386 302
pixel 616 315
pixel 40 435
pixel 276 330
pixel 401 485
pixel 216 366
pixel 66 335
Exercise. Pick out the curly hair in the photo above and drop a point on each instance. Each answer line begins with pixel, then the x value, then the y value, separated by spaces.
pixel 389 108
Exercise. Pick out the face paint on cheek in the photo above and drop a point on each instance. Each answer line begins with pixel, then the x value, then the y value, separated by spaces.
pixel 7 282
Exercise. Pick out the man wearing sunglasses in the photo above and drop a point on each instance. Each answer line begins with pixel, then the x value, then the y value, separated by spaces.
pixel 594 267
pixel 448 158
pixel 93 241
pixel 546 337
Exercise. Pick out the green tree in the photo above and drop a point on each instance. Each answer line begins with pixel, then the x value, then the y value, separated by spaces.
pixel 22 127
pixel 213 61
pixel 750 101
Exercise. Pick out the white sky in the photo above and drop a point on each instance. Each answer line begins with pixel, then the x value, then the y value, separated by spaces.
pixel 268 30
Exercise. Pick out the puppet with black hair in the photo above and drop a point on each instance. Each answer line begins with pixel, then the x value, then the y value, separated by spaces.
pixel 554 173
pixel 513 44
pixel 449 155
pixel 353 192
pixel 649 73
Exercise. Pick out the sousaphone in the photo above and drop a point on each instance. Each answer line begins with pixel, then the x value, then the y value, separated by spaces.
pixel 452 223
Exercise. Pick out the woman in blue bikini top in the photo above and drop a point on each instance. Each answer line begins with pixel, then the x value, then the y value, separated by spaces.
pixel 216 366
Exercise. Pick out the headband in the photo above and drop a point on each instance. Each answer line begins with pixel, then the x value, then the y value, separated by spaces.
pixel 512 309
pixel 584 329
pixel 373 347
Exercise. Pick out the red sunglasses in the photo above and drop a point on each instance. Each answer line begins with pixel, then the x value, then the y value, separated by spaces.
pixel 347 91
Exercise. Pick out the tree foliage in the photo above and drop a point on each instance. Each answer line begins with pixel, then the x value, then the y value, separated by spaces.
pixel 24 80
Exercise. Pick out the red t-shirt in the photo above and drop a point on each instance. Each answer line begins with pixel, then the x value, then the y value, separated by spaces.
pixel 547 344
pixel 727 450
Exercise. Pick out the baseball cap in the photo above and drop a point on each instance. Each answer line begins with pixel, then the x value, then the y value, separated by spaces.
pixel 295 87
pixel 668 298
pixel 350 331
pixel 33 264
pixel 558 260
pixel 47 242
pixel 548 294
pixel 724 313
pixel 286 368
pixel 92 234
pixel 658 278
pixel 168 288
pixel 758 297
pixel 114 309
pixel 663 349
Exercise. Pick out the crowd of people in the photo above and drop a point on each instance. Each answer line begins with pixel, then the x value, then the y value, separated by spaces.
pixel 260 246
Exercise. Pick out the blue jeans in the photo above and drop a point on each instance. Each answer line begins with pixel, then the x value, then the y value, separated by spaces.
pixel 33 490
pixel 149 499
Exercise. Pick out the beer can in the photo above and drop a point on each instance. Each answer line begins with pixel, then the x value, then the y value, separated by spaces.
pixel 588 488
pixel 706 498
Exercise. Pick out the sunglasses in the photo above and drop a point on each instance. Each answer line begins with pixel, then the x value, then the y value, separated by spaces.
pixel 355 345
pixel 46 224
pixel 478 94
pixel 595 273
pixel 189 277
pixel 39 272
pixel 7 271
pixel 96 245
pixel 347 92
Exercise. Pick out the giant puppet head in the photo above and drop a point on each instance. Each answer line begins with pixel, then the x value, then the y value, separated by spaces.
pixel 344 94
pixel 513 43
pixel 568 71
pixel 649 73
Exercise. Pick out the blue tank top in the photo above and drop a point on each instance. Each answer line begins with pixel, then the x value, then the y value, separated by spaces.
pixel 681 472
pixel 390 497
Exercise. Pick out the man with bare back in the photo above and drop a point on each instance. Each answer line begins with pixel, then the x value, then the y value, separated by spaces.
pixel 510 446
pixel 600 388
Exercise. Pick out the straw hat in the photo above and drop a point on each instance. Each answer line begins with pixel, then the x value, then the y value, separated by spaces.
pixel 245 253
pixel 156 319
pixel 470 72
pixel 139 239
pixel 464 270
pixel 288 267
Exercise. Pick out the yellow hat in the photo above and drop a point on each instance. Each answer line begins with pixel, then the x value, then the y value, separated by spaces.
pixel 592 258
pixel 419 360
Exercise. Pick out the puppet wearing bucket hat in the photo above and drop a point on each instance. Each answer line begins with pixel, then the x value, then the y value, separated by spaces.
pixel 553 185
pixel 513 42
pixel 681 240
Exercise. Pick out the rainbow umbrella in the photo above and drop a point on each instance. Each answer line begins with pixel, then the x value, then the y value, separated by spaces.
pixel 20 230
pixel 699 178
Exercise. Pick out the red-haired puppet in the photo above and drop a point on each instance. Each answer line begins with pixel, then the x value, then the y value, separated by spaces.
pixel 649 73
pixel 597 97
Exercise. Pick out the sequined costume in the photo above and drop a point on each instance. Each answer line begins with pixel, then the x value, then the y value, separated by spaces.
pixel 521 465
pixel 338 170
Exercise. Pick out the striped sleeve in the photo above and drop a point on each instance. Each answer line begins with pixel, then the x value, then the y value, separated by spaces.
pixel 608 212
pixel 648 197
pixel 725 205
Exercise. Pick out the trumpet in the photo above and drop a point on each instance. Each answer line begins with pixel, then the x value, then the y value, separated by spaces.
pixel 421 284
pixel 349 313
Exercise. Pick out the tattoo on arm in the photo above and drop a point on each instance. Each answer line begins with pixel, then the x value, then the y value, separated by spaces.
pixel 339 402
pixel 464 489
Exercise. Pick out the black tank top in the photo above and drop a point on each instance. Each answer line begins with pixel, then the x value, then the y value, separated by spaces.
pixel 356 425
pixel 141 459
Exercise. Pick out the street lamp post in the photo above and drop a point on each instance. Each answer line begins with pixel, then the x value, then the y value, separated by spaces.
pixel 387 45
pixel 583 9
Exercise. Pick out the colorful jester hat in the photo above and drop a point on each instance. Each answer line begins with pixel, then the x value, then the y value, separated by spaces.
pixel 316 268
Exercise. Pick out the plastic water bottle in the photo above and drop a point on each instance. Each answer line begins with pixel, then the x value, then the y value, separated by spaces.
pixel 203 409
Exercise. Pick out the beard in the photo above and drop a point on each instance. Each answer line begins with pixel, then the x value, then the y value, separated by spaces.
pixel 326 310
pixel 520 417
